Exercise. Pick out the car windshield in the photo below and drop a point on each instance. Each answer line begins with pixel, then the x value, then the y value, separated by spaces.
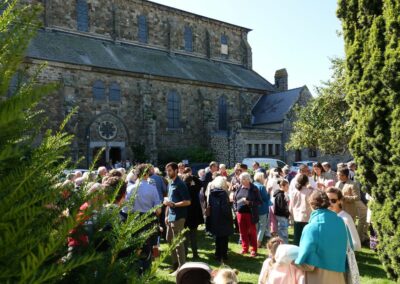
pixel 280 164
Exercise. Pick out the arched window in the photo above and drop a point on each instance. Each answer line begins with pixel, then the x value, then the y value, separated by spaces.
pixel 15 84
pixel 142 29
pixel 82 15
pixel 99 91
pixel 188 36
pixel 222 114
pixel 174 109
pixel 115 92
pixel 224 45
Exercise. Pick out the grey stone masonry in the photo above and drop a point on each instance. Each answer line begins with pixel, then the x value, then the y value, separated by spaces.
pixel 118 20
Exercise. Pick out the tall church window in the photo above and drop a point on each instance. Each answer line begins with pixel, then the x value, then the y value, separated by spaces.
pixel 222 114
pixel 188 37
pixel 224 45
pixel 99 91
pixel 142 29
pixel 16 82
pixel 174 109
pixel 115 92
pixel 82 15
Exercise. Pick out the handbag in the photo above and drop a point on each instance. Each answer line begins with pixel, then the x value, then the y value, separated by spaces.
pixel 352 274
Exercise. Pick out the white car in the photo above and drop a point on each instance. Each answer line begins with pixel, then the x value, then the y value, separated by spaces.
pixel 66 172
pixel 272 163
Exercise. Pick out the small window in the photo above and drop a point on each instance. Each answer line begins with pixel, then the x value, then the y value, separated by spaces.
pixel 298 155
pixel 174 110
pixel 15 84
pixel 82 15
pixel 263 150
pixel 99 91
pixel 222 114
pixel 115 93
pixel 256 150
pixel 224 40
pixel 312 153
pixel 270 149
pixel 277 149
pixel 249 148
pixel 142 30
pixel 188 36
pixel 224 45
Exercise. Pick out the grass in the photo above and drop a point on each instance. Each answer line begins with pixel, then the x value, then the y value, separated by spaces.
pixel 371 270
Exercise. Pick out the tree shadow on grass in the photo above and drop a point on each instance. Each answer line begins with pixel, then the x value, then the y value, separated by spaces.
pixel 369 265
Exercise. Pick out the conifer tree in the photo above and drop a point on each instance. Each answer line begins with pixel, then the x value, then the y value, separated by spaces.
pixel 35 216
pixel 372 41
pixel 31 230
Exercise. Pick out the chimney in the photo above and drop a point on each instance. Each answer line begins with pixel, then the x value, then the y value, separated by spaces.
pixel 281 80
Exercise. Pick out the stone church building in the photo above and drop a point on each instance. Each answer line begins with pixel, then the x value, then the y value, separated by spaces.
pixel 151 77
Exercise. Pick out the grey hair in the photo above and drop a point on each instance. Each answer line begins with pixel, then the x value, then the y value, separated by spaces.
pixel 245 176
pixel 131 177
pixel 219 182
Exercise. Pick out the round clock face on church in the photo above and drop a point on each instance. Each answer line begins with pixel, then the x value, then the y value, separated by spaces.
pixel 107 130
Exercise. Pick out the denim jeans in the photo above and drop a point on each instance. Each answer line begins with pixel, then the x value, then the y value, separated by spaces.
pixel 283 225
pixel 262 227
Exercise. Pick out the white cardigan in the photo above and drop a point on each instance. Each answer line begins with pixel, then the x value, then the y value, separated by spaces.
pixel 352 228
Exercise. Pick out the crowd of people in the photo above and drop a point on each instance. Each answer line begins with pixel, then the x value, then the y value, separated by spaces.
pixel 322 206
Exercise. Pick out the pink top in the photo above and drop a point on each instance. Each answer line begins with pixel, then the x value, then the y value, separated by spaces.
pixel 299 206
pixel 280 274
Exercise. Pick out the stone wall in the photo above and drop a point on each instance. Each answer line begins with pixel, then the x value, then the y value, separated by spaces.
pixel 118 19
pixel 230 148
pixel 142 109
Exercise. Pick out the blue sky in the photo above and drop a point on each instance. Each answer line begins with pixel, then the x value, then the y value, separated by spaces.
pixel 299 35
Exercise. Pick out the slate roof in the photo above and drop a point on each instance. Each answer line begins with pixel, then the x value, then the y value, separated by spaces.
pixel 273 108
pixel 78 49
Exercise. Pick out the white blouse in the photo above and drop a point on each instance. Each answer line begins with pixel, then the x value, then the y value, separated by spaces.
pixel 352 228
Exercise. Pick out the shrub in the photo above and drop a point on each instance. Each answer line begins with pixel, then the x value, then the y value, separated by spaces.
pixel 372 36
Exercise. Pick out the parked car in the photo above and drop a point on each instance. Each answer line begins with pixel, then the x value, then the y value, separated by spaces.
pixel 272 163
pixel 67 172
pixel 295 166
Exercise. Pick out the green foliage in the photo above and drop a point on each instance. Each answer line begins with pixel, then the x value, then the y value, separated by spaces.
pixel 32 233
pixel 372 37
pixel 37 213
pixel 323 123
pixel 139 154
pixel 193 154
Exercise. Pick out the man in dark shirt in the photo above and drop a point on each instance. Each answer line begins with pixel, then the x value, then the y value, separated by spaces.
pixel 176 212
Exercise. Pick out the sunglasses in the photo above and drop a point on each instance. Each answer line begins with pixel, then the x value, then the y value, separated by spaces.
pixel 333 201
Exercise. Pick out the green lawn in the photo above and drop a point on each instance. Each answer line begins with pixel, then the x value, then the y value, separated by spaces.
pixel 370 268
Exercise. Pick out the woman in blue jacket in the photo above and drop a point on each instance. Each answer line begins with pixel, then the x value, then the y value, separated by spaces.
pixel 323 244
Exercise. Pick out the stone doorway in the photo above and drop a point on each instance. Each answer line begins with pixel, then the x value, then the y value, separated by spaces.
pixel 115 155
pixel 101 161
pixel 107 131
